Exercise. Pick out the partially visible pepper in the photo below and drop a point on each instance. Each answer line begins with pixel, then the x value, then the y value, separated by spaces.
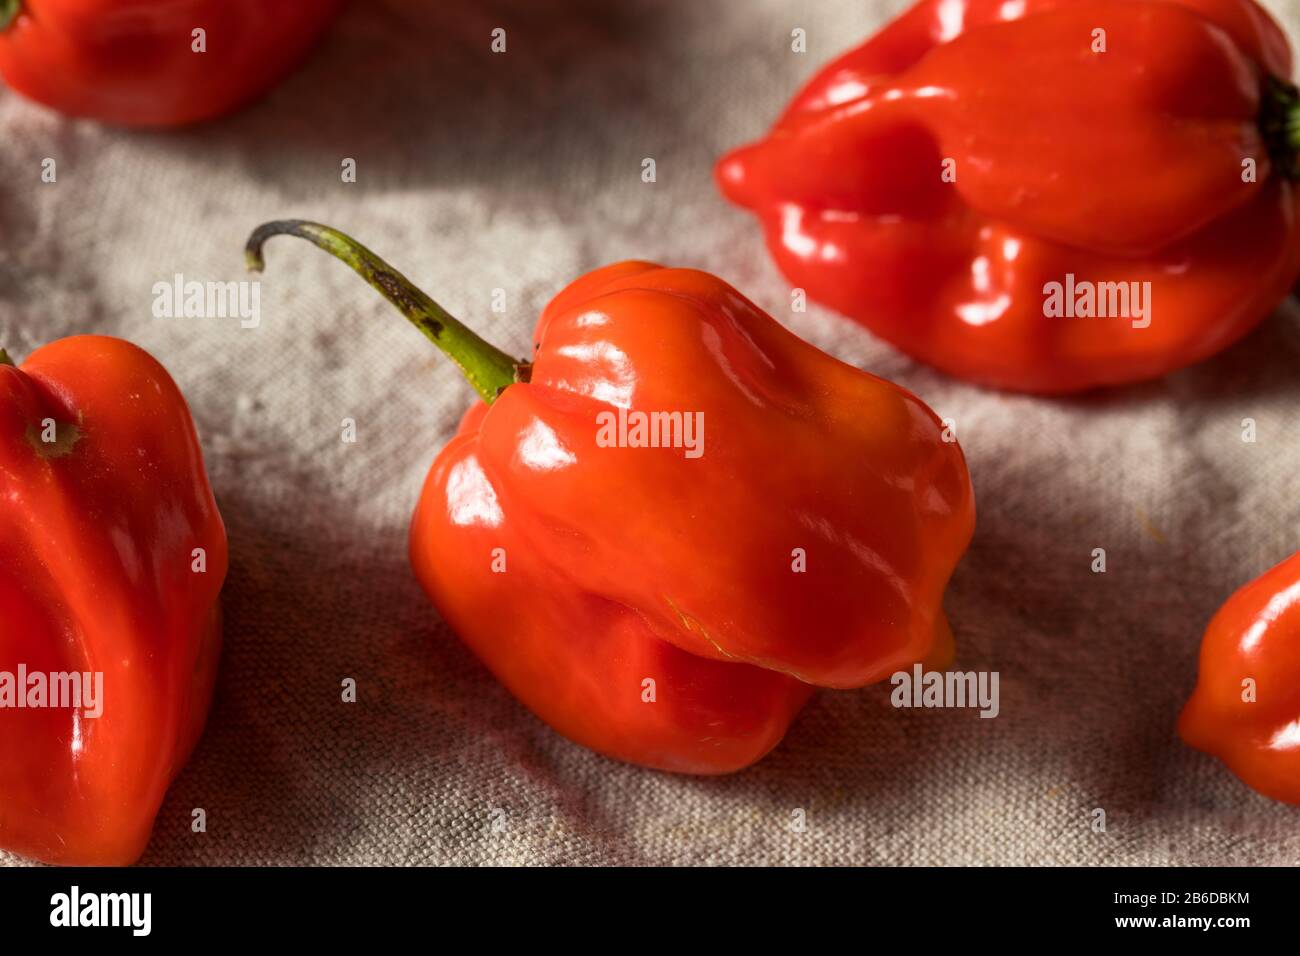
pixel 138 62
pixel 1246 707
pixel 671 603
pixel 112 555
pixel 1046 195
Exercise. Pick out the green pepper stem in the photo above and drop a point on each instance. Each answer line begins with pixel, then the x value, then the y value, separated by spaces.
pixel 9 10
pixel 1279 124
pixel 4 358
pixel 488 369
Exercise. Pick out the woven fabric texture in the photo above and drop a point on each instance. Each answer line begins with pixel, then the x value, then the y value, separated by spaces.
pixel 520 171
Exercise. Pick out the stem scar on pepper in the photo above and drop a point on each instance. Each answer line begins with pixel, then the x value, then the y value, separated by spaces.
pixel 1279 124
pixel 9 10
pixel 488 369
pixel 66 436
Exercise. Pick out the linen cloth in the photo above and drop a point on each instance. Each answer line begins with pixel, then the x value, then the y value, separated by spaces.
pixel 520 171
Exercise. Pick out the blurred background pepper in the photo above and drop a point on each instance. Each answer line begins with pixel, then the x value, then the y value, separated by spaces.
pixel 138 62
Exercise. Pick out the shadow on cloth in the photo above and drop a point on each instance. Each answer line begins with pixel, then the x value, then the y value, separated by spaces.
pixel 414 94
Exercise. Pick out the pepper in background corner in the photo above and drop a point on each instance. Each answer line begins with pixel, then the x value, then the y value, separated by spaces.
pixel 935 182
pixel 135 63
pixel 1246 706
pixel 112 555
pixel 666 608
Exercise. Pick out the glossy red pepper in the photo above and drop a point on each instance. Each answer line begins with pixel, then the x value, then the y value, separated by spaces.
pixel 955 180
pixel 1246 706
pixel 112 554
pixel 663 607
pixel 134 63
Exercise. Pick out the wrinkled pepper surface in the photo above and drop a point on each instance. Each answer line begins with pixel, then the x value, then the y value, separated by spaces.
pixel 112 555
pixel 1246 706
pixel 671 609
pixel 134 62
pixel 953 180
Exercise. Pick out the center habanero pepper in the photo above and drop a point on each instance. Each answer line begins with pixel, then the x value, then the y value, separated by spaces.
pixel 951 181
pixel 112 554
pixel 664 607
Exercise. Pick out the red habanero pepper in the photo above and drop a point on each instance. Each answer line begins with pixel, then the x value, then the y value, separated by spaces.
pixel 982 181
pixel 134 62
pixel 1246 706
pixel 112 555
pixel 673 606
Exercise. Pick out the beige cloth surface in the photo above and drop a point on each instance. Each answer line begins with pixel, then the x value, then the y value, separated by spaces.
pixel 520 172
